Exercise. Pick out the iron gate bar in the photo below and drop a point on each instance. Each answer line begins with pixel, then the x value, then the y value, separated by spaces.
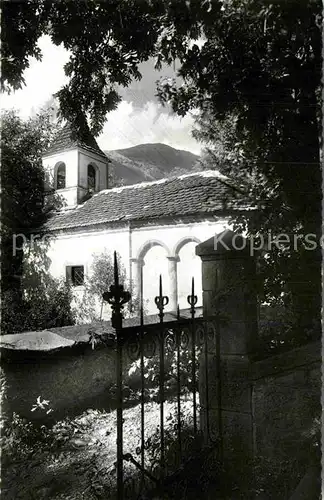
pixel 206 378
pixel 120 467
pixel 161 301
pixel 219 387
pixel 129 458
pixel 142 402
pixel 142 379
pixel 178 342
pixel 179 328
pixel 117 297
pixel 192 300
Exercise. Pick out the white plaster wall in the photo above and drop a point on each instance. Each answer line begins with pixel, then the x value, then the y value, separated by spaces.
pixel 76 162
pixel 84 160
pixel 70 195
pixel 155 264
pixel 188 267
pixel 70 158
pixel 172 240
pixel 78 249
pixel 172 235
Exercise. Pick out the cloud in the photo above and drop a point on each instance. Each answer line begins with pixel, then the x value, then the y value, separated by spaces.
pixel 43 79
pixel 139 119
pixel 130 125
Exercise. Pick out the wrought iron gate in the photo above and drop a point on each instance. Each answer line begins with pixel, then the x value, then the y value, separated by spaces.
pixel 167 355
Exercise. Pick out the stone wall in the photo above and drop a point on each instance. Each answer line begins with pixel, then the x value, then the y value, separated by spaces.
pixel 257 408
pixel 71 378
pixel 286 398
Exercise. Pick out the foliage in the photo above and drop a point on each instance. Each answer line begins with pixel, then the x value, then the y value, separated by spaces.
pixel 21 438
pixel 102 273
pixel 277 331
pixel 287 274
pixel 254 67
pixel 47 299
pixel 152 369
pixel 195 463
pixel 50 308
pixel 30 298
pixel 88 306
pixel 272 47
pixel 255 79
pixel 23 181
pixel 260 119
pixel 42 405
pixel 107 41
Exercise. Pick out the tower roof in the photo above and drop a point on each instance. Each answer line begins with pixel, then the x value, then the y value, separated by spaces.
pixel 63 141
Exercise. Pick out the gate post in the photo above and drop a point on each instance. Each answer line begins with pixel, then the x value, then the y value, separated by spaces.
pixel 229 301
pixel 117 297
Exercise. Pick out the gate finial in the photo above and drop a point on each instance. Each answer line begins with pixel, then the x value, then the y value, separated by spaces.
pixel 116 278
pixel 161 300
pixel 116 297
pixel 192 299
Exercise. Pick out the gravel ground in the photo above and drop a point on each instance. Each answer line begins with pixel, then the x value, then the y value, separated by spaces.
pixel 83 468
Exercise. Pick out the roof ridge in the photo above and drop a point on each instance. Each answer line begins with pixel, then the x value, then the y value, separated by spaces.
pixel 200 173
pixel 196 194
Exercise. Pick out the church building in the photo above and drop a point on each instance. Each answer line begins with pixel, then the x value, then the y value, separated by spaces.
pixel 154 226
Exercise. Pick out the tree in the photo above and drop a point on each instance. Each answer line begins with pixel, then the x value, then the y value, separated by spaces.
pixel 255 65
pixel 288 275
pixel 23 180
pixel 256 81
pixel 107 40
pixel 260 63
pixel 89 306
pixel 25 207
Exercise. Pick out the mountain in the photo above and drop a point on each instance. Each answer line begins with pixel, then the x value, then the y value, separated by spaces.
pixel 149 162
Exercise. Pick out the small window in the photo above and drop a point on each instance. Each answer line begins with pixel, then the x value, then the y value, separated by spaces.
pixel 60 176
pixel 91 178
pixel 75 274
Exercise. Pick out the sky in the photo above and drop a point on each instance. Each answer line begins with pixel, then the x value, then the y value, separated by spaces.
pixel 139 118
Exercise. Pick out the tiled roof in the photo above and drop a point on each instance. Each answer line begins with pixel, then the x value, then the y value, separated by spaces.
pixel 63 142
pixel 201 193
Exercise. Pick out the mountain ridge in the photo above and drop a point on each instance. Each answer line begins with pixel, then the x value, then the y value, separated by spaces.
pixel 149 162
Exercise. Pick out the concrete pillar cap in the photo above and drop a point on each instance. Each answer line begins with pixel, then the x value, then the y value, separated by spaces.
pixel 225 244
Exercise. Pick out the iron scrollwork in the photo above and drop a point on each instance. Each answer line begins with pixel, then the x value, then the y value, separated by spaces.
pixel 175 350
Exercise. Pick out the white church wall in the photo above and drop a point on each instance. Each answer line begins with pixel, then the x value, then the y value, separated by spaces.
pixel 79 249
pixel 152 244
pixel 155 244
pixel 155 264
pixel 173 235
pixel 70 158
pixel 188 267
pixel 84 160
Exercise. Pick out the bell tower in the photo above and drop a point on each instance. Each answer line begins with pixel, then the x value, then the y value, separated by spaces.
pixel 77 169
